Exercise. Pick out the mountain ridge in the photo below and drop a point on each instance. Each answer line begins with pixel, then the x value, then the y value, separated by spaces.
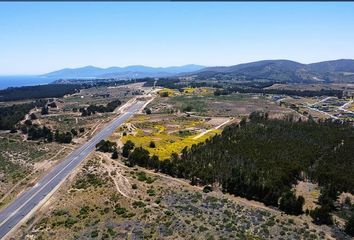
pixel 341 70
pixel 127 72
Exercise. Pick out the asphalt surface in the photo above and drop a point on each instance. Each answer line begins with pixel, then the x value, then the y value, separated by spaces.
pixel 31 198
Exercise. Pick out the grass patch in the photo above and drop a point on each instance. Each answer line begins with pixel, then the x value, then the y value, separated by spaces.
pixel 168 139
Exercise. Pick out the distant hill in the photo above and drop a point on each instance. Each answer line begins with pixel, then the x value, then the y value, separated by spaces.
pixel 282 70
pixel 341 70
pixel 342 65
pixel 122 72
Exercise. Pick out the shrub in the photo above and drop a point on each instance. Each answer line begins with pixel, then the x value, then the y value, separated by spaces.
pixel 94 234
pixel 169 213
pixel 149 180
pixel 62 137
pixel 152 144
pixel 33 116
pixel 69 222
pixel 44 110
pixel 164 94
pixel 139 156
pixel 115 155
pixel 106 146
pixel 28 122
pixel 187 109
pixel 349 226
pixel 120 210
pixel 60 212
pixel 52 105
pixel 150 192
pixel 74 132
pixel 138 204
pixel 141 176
pixel 207 189
pixel 290 204
pixel 127 147
pixel 321 215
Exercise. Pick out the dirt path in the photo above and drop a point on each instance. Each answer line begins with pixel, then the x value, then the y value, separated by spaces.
pixel 325 113
pixel 96 127
pixel 217 127
pixel 302 115
pixel 184 182
pixel 122 184
pixel 345 105
pixel 323 100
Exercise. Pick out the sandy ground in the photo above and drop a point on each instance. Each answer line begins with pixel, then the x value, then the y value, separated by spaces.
pixel 310 192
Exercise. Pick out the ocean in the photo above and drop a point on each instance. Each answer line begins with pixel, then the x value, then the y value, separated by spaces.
pixel 19 81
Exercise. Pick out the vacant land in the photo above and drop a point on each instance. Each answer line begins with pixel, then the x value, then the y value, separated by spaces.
pixel 169 132
pixel 23 161
pixel 321 107
pixel 202 101
pixel 107 200
pixel 314 87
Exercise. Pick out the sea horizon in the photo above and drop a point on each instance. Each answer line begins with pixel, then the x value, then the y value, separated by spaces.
pixel 23 80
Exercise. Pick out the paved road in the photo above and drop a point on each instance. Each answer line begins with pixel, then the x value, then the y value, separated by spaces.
pixel 31 198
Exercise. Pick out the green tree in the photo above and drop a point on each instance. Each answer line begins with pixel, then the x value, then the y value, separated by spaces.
pixel 44 110
pixel 115 155
pixel 106 146
pixel 164 94
pixel 322 215
pixel 187 109
pixel 152 144
pixel 127 147
pixel 139 156
pixel 33 116
pixel 291 204
pixel 349 226
pixel 74 132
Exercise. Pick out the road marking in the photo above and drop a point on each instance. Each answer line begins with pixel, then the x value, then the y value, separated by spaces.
pixel 69 160
pixel 33 195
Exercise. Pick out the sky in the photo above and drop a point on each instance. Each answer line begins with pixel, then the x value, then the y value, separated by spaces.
pixel 39 37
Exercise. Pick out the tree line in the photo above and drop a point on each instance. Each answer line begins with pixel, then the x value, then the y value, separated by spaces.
pixel 11 115
pixel 174 83
pixel 58 89
pixel 289 92
pixel 262 159
pixel 40 91
pixel 35 132
pixel 92 109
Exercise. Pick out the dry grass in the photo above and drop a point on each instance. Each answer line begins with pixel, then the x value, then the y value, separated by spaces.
pixel 166 209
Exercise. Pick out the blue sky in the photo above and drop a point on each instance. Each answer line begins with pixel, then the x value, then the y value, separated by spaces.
pixel 42 37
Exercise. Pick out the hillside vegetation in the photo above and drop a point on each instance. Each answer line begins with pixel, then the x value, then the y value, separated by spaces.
pixel 262 159
pixel 11 115
pixel 283 70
